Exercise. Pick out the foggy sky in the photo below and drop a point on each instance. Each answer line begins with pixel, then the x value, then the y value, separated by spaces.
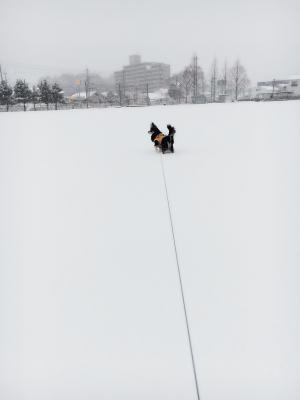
pixel 39 37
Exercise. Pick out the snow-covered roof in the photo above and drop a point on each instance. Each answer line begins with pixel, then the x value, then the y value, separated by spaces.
pixel 81 95
pixel 159 94
pixel 266 89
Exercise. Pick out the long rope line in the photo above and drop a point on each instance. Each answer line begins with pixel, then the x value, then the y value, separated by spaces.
pixel 180 280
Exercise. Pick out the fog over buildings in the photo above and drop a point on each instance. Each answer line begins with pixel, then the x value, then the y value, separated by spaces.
pixel 39 38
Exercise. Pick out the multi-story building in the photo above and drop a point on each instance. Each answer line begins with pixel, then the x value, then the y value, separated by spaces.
pixel 141 76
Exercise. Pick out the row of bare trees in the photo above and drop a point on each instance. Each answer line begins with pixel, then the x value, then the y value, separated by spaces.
pixel 189 85
pixel 190 81
pixel 192 85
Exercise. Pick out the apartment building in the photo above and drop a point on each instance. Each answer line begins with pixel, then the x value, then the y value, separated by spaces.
pixel 142 76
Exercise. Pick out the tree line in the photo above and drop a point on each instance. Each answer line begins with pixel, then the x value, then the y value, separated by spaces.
pixel 21 93
pixel 223 82
pixel 189 85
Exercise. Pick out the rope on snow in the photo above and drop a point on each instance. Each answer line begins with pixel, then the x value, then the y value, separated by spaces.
pixel 180 280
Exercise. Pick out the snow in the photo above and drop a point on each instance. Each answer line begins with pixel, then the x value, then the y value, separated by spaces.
pixel 90 300
pixel 159 94
pixel 81 95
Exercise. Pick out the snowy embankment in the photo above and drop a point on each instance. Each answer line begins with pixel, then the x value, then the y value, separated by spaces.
pixel 90 304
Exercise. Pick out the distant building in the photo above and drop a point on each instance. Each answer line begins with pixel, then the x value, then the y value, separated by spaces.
pixel 93 97
pixel 279 88
pixel 141 76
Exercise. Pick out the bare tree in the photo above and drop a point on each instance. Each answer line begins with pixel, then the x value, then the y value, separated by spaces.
pixel 213 80
pixel 175 87
pixel 175 91
pixel 224 79
pixel 201 80
pixel 238 79
pixel 187 81
pixel 195 76
pixel 112 98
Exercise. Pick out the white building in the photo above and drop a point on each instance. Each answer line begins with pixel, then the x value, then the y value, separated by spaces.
pixel 142 76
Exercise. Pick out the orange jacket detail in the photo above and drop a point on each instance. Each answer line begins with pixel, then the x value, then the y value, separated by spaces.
pixel 159 138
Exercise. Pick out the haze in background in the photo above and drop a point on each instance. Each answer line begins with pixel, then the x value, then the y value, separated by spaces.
pixel 51 37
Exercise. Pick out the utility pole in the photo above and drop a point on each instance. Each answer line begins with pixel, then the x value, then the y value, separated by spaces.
pixel 1 75
pixel 87 88
pixel 195 77
pixel 77 83
pixel 225 79
pixel 148 100
pixel 135 95
pixel 120 94
pixel 274 83
pixel 123 81
pixel 214 80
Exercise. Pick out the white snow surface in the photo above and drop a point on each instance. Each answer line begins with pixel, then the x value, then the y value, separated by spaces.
pixel 90 303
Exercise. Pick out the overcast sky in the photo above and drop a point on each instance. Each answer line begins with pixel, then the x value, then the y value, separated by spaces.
pixel 39 37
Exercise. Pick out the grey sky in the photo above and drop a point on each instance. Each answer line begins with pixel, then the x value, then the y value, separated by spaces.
pixel 39 37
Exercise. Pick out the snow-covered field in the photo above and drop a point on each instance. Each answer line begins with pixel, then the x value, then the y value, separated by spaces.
pixel 90 303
